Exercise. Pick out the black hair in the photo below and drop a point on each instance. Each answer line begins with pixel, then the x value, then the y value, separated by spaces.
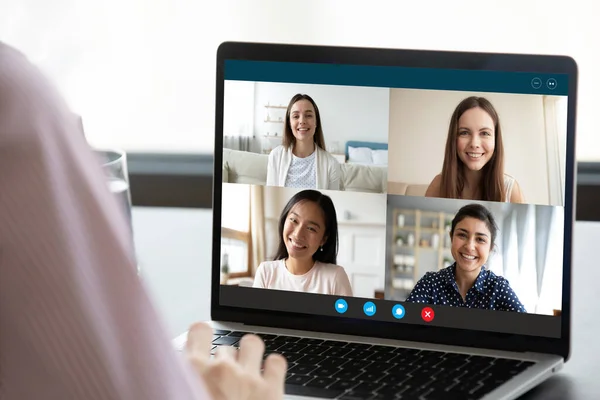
pixel 479 212
pixel 330 248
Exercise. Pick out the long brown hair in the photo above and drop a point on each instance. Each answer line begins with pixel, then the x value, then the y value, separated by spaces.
pixel 288 136
pixel 453 171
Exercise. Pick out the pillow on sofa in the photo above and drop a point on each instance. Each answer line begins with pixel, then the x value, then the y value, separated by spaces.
pixel 361 155
pixel 364 178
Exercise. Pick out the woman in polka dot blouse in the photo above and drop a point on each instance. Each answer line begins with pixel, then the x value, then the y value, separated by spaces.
pixel 302 161
pixel 467 283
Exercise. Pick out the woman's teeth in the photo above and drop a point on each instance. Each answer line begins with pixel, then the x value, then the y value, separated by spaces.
pixel 474 155
pixel 468 257
pixel 297 245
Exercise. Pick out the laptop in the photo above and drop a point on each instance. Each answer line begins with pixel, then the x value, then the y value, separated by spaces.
pixel 433 193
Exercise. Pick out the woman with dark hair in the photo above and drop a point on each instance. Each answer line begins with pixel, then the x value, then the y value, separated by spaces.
pixel 302 161
pixel 474 158
pixel 467 283
pixel 307 251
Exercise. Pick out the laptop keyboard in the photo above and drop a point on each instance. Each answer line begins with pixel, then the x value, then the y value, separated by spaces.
pixel 345 370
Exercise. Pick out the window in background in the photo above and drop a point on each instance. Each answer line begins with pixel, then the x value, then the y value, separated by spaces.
pixel 236 240
pixel 238 115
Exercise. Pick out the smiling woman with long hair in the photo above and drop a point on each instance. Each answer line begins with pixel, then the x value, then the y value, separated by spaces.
pixel 474 157
pixel 467 283
pixel 301 160
pixel 307 252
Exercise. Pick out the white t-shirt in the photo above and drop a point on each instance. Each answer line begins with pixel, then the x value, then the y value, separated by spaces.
pixel 303 172
pixel 322 278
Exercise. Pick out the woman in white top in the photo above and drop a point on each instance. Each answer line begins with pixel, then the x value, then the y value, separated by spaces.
pixel 474 159
pixel 306 256
pixel 301 161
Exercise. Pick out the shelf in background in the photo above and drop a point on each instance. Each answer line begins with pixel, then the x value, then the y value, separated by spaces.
pixel 406 228
pixel 405 247
pixel 430 230
pixel 280 107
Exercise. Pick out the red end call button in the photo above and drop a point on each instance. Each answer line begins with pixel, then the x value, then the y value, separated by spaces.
pixel 427 314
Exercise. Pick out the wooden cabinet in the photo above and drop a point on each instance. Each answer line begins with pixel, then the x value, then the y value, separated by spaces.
pixel 420 244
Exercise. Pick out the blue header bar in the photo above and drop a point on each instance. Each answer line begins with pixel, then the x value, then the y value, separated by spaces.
pixel 398 77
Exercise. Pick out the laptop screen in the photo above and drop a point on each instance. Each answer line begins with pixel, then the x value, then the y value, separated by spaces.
pixel 405 195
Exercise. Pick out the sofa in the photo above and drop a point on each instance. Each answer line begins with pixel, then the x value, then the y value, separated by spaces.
pixel 407 189
pixel 251 168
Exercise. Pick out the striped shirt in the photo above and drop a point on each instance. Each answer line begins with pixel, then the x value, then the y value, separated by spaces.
pixel 75 321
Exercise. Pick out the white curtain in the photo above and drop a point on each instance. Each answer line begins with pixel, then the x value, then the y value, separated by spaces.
pixel 551 280
pixel 528 268
pixel 555 112
pixel 257 225
pixel 531 255
pixel 241 143
pixel 510 251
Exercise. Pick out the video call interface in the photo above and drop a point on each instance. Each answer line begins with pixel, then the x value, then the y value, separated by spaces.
pixel 436 206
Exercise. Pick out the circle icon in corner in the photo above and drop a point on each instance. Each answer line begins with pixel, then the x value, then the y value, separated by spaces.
pixel 341 306
pixel 398 311
pixel 427 314
pixel 369 308
pixel 536 83
pixel 551 83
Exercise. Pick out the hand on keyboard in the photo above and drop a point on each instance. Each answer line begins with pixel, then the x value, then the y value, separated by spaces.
pixel 236 374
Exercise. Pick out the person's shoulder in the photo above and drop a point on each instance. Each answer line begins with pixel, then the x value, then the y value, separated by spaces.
pixel 17 71
pixel 496 280
pixel 12 55
pixel 18 76
pixel 430 275
pixel 25 89
pixel 509 178
pixel 268 266
pixel 433 190
pixel 327 268
pixel 324 153
pixel 441 275
pixel 277 151
pixel 516 194
pixel 10 58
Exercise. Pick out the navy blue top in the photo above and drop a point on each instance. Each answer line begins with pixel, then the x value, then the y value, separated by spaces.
pixel 490 291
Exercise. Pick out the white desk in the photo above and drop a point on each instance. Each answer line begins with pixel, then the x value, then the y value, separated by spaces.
pixel 174 250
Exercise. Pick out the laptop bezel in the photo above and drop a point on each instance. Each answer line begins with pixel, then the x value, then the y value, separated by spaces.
pixel 405 58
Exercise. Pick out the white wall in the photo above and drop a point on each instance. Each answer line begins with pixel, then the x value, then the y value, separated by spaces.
pixel 142 73
pixel 361 234
pixel 347 112
pixel 238 108
pixel 364 208
pixel 419 122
